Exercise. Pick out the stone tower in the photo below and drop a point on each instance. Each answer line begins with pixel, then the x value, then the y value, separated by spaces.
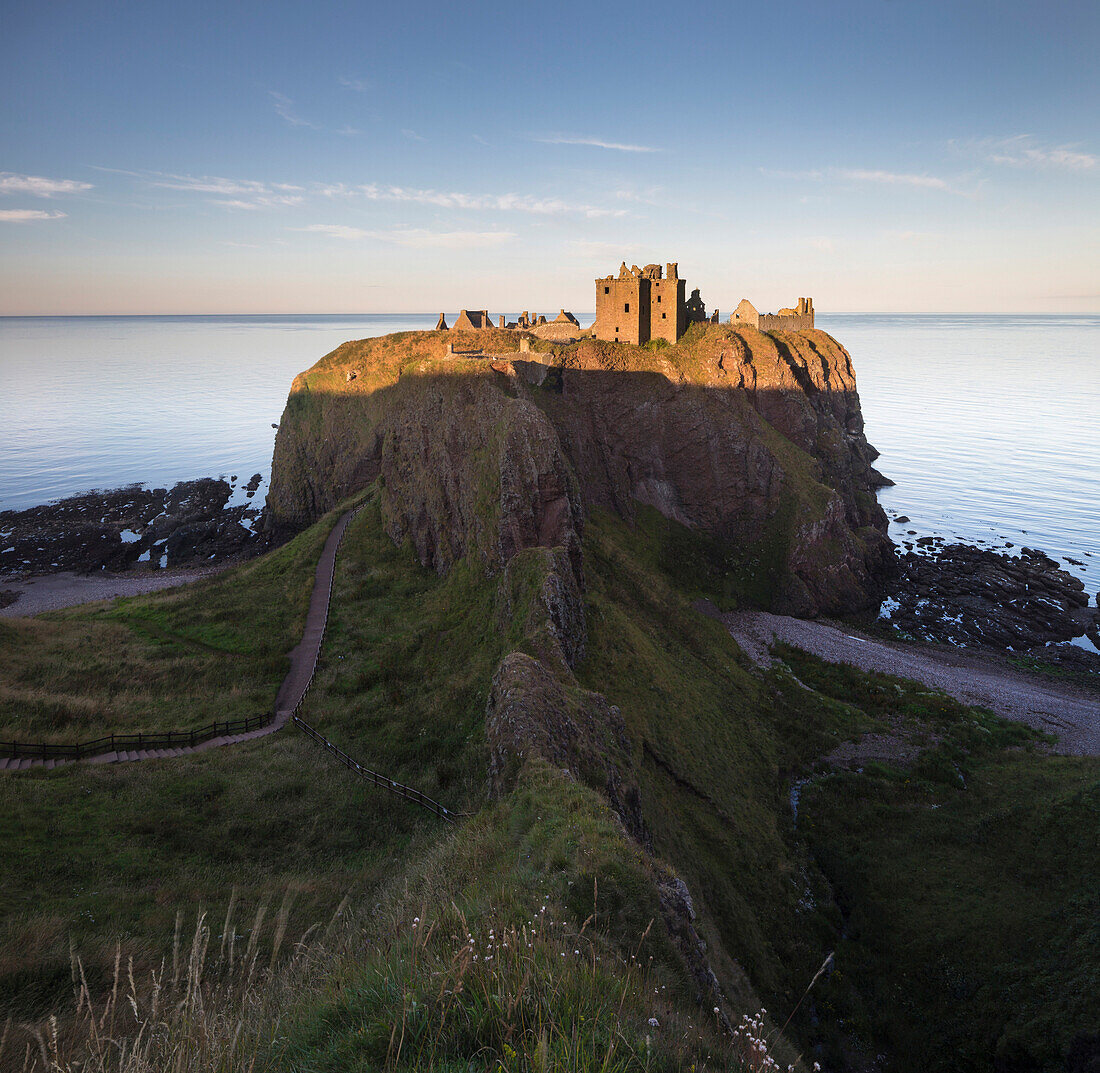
pixel 639 305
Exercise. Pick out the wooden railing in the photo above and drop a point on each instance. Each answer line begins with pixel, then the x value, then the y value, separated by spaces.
pixel 399 788
pixel 140 742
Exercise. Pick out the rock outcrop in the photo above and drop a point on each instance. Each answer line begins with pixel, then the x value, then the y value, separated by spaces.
pixel 964 595
pixel 754 438
pixel 127 527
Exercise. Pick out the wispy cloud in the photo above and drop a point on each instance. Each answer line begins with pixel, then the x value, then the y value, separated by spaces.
pixel 261 202
pixel 236 193
pixel 413 136
pixel 37 186
pixel 359 85
pixel 598 143
pixel 22 216
pixel 284 107
pixel 416 238
pixel 868 175
pixel 1022 151
pixel 260 194
pixel 652 196
pixel 894 178
pixel 205 184
pixel 444 199
pixel 592 248
pixel 908 236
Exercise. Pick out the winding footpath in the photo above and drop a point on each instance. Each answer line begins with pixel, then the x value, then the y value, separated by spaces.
pixel 1072 715
pixel 303 665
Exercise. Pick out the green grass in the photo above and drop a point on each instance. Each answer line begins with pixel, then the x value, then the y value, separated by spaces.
pixel 915 875
pixel 173 660
pixel 968 885
pixel 105 852
pixel 490 953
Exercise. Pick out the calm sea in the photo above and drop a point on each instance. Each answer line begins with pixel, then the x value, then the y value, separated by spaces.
pixel 990 425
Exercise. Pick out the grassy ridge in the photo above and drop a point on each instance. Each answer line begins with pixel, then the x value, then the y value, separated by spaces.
pixel 99 852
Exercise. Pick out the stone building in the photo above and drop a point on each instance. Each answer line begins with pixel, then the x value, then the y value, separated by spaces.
pixel 478 318
pixel 787 320
pixel 640 304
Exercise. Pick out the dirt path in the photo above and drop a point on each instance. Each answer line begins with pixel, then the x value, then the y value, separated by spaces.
pixel 1072 715
pixel 303 664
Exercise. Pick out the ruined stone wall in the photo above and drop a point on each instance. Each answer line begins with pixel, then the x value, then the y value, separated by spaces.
pixel 797 322
pixel 666 309
pixel 623 310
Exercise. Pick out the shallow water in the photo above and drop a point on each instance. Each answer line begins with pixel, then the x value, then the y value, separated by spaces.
pixel 988 424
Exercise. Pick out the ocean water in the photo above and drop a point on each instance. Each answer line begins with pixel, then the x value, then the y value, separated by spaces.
pixel 989 425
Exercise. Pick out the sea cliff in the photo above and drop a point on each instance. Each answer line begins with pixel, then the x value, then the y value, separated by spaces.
pixel 753 439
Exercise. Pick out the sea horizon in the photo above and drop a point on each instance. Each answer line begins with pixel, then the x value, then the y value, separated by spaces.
pixel 436 312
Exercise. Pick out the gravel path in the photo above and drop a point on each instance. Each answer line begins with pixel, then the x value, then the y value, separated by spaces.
pixel 1072 715
pixel 66 589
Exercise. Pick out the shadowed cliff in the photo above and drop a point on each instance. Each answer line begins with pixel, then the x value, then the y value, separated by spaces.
pixel 754 439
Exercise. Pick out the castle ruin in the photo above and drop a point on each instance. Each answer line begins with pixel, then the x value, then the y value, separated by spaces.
pixel 640 304
pixel 786 320
pixel 470 320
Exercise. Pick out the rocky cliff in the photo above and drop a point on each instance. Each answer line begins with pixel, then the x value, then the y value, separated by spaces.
pixel 755 439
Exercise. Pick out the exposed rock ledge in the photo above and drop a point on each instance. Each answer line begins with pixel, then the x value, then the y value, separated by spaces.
pixel 119 530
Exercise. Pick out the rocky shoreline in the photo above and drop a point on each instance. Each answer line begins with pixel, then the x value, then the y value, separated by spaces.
pixel 132 528
pixel 972 597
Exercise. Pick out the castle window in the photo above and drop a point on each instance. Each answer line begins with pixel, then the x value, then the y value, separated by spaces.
pixel 664 316
pixel 626 308
pixel 607 290
pixel 658 299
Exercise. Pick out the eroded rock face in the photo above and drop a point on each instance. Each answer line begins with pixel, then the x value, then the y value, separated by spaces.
pixel 534 712
pixel 752 437
pixel 698 442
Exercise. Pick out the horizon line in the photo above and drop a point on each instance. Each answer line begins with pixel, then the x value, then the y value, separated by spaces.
pixel 435 313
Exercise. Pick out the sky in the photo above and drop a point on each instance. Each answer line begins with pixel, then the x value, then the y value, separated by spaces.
pixel 414 157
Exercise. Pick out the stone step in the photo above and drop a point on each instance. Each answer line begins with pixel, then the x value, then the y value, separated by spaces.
pixel 4 763
pixel 22 765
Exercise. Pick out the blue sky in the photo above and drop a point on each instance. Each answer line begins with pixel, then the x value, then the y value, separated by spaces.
pixel 413 157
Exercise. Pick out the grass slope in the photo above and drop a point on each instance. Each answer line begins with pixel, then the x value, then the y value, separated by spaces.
pixel 173 660
pixel 99 855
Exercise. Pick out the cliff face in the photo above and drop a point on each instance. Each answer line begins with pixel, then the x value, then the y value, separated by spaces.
pixel 753 438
